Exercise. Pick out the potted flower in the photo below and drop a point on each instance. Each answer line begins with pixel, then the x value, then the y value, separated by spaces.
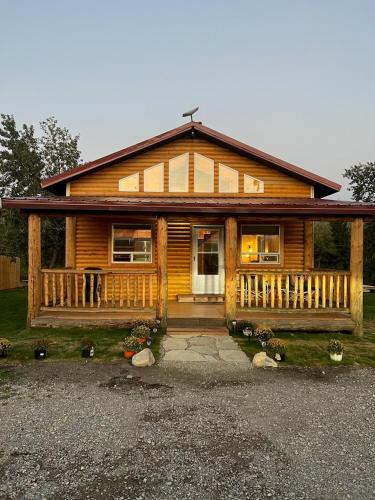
pixel 5 346
pixel 335 349
pixel 131 346
pixel 263 334
pixel 87 348
pixel 40 348
pixel 142 333
pixel 276 349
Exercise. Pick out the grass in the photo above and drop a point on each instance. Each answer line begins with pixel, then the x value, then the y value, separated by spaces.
pixel 64 343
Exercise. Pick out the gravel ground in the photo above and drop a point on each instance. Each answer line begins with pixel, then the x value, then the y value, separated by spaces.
pixel 101 431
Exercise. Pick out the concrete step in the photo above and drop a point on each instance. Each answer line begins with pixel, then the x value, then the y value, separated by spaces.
pixel 195 332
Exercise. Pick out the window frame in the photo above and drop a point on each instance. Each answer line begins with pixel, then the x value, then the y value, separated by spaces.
pixel 187 155
pixel 219 179
pixel 280 253
pixel 131 262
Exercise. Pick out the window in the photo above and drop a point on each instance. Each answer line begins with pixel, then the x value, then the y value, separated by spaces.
pixel 203 174
pixel 131 243
pixel 153 179
pixel 252 185
pixel 179 174
pixel 129 184
pixel 260 244
pixel 228 179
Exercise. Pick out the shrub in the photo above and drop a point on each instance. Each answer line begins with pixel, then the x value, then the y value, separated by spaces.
pixel 274 347
pixel 87 343
pixel 141 331
pixel 335 347
pixel 244 324
pixel 40 343
pixel 150 323
pixel 5 345
pixel 132 344
pixel 263 333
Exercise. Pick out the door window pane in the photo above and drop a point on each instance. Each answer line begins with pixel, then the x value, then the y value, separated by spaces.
pixel 208 263
pixel 129 184
pixel 260 244
pixel 179 174
pixel 153 179
pixel 203 174
pixel 131 243
pixel 228 179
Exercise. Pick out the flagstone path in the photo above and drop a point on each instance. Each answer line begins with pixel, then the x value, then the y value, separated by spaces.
pixel 205 349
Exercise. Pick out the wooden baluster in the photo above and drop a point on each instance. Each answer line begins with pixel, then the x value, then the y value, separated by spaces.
pixel 98 291
pixel 302 292
pixel 76 289
pixel 91 290
pixel 121 291
pixel 287 291
pixel 330 293
pixel 46 290
pixel 128 290
pixel 309 294
pixel 279 294
pixel 256 290
pixel 272 290
pixel 150 290
pixel 54 290
pixel 249 290
pixel 113 290
pixel 106 290
pixel 324 291
pixel 317 291
pixel 62 301
pixel 69 289
pixel 143 291
pixel 84 290
pixel 338 291
pixel 242 290
pixel 135 290
pixel 345 290
pixel 295 297
pixel 264 291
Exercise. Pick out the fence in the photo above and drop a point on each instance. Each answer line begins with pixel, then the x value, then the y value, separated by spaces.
pixel 9 272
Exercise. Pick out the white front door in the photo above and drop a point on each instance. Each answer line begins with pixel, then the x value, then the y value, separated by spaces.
pixel 208 259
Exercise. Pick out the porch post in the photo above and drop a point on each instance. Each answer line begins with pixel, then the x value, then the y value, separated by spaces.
pixel 356 276
pixel 309 245
pixel 70 242
pixel 162 294
pixel 35 264
pixel 230 267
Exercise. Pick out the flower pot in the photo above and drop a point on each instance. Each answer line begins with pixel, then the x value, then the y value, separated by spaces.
pixel 87 352
pixel 142 340
pixel 40 353
pixel 128 354
pixel 335 357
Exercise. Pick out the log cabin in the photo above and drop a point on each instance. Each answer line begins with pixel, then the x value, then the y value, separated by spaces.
pixel 195 229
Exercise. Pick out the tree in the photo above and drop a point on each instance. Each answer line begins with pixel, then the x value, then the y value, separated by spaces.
pixel 24 160
pixel 362 184
pixel 324 248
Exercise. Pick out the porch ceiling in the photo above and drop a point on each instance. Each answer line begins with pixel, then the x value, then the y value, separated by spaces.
pixel 187 205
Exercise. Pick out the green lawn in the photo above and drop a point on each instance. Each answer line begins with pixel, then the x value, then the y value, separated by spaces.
pixel 64 343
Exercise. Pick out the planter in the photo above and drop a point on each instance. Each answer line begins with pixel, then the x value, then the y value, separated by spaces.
pixel 40 353
pixel 142 340
pixel 335 357
pixel 129 354
pixel 87 352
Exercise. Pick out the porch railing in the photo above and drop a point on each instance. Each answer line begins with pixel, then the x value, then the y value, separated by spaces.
pixel 94 289
pixel 293 290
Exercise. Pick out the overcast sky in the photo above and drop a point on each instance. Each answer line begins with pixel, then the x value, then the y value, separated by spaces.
pixel 293 78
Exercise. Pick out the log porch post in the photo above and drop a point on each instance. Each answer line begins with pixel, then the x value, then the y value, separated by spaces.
pixel 356 276
pixel 35 264
pixel 230 268
pixel 70 242
pixel 162 294
pixel 309 245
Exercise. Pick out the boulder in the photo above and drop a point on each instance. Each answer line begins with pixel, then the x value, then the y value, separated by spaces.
pixel 143 358
pixel 261 360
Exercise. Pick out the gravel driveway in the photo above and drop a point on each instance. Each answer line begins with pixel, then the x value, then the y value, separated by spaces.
pixel 97 431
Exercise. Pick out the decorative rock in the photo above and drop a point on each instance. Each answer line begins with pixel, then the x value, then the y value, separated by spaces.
pixel 261 360
pixel 143 358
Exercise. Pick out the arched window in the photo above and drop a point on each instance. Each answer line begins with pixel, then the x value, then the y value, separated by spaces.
pixel 203 174
pixel 129 184
pixel 153 179
pixel 228 179
pixel 252 185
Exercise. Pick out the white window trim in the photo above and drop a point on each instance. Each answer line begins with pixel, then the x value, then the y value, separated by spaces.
pixel 221 165
pixel 255 179
pixel 186 155
pixel 136 175
pixel 131 253
pixel 162 175
pixel 279 253
pixel 212 164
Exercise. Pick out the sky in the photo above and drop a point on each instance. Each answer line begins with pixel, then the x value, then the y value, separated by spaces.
pixel 293 78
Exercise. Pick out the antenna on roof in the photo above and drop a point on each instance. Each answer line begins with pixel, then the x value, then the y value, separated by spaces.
pixel 190 113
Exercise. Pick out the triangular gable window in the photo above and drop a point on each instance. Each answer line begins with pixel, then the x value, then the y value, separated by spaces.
pixel 129 184
pixel 252 185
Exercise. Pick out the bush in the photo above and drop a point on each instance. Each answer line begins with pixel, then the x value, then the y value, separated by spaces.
pixel 335 347
pixel 5 345
pixel 150 323
pixel 275 347
pixel 141 332
pixel 263 333
pixel 241 325
pixel 132 344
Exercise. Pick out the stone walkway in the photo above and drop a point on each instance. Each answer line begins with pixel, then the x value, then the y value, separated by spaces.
pixel 207 349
